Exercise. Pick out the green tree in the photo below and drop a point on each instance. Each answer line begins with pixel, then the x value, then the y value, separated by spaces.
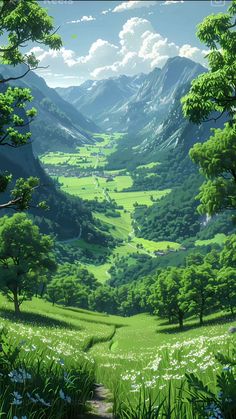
pixel 54 291
pixel 167 298
pixel 226 287
pixel 228 254
pixel 211 95
pixel 199 289
pixel 103 299
pixel 24 252
pixel 20 21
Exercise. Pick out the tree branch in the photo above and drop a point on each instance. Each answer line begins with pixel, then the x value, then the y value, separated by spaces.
pixel 14 46
pixel 215 119
pixel 11 203
pixel 23 75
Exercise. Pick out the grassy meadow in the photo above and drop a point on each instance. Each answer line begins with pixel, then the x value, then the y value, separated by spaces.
pixel 124 354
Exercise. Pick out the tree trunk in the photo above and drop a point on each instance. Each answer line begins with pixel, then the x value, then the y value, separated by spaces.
pixel 181 318
pixel 201 318
pixel 42 289
pixel 16 303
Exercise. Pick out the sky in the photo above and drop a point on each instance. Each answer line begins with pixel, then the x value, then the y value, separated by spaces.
pixel 104 39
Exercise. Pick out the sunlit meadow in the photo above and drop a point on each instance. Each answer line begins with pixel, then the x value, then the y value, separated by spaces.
pixel 64 351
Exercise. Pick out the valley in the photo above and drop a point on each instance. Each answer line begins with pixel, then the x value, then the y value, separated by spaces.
pixel 117 210
pixel 83 173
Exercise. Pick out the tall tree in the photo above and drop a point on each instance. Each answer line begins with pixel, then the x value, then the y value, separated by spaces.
pixel 226 287
pixel 20 21
pixel 167 298
pixel 24 252
pixel 199 289
pixel 212 95
pixel 228 254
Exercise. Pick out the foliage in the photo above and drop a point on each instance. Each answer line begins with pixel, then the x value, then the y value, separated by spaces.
pixel 71 286
pixel 25 254
pixel 211 95
pixel 35 25
pixel 228 254
pixel 30 385
pixel 226 279
pixel 198 289
pixel 174 218
pixel 222 403
pixel 167 298
pixel 20 21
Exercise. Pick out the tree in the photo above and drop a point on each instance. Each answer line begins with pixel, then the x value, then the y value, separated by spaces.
pixel 54 291
pixel 211 95
pixel 228 254
pixel 199 289
pixel 226 287
pixel 168 299
pixel 24 252
pixel 20 21
pixel 103 299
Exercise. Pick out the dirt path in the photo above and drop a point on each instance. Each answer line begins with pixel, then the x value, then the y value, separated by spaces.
pixel 99 404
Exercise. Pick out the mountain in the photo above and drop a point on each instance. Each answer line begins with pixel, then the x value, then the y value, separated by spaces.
pixel 58 125
pixel 101 98
pixel 67 216
pixel 152 102
pixel 133 104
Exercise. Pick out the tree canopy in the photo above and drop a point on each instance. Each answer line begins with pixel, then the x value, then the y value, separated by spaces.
pixel 25 255
pixel 211 96
pixel 20 21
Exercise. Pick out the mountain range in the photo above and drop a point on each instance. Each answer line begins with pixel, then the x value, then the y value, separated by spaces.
pixel 133 104
pixel 58 125
pixel 147 107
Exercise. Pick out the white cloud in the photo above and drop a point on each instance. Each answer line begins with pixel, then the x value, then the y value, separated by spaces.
pixel 130 5
pixel 100 51
pixel 193 53
pixel 87 18
pixel 139 49
pixel 104 12
pixel 170 2
pixel 83 19
pixel 131 34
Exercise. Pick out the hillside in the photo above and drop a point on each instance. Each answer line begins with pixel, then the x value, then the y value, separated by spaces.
pixel 152 179
pixel 59 219
pixel 58 126
pixel 117 344
pixel 101 100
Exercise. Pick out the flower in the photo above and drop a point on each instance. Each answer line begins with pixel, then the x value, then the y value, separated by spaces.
pixel 42 401
pixel 19 376
pixel 17 398
pixel 64 397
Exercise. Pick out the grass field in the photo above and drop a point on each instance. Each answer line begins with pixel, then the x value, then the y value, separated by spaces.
pixel 91 187
pixel 217 239
pixel 148 165
pixel 127 353
pixel 109 186
pixel 90 156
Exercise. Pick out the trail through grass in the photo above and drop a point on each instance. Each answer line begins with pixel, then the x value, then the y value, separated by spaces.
pixel 127 353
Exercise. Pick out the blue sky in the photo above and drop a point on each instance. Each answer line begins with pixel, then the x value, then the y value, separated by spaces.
pixel 108 38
